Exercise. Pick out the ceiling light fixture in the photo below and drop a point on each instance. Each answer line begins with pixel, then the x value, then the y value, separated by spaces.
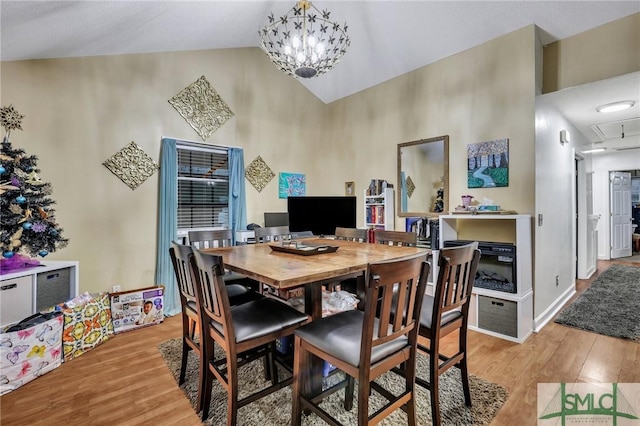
pixel 615 106
pixel 304 42
pixel 591 151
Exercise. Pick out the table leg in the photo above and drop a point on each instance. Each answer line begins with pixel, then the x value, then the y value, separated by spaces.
pixel 313 307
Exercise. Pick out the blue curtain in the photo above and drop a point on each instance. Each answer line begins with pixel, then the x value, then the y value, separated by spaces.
pixel 168 225
pixel 403 192
pixel 237 194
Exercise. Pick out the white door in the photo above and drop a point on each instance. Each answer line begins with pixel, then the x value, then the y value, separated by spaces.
pixel 620 205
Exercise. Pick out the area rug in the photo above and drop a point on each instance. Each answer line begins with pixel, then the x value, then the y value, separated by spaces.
pixel 275 409
pixel 610 306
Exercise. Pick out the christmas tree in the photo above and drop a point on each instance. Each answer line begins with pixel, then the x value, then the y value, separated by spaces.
pixel 26 215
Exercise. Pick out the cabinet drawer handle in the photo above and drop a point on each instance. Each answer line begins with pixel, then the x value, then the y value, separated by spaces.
pixel 497 303
pixel 8 287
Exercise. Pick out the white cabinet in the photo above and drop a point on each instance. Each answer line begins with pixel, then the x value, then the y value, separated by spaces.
pixel 501 314
pixel 28 291
pixel 379 210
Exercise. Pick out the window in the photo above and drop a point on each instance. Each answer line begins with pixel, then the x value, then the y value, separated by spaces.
pixel 203 187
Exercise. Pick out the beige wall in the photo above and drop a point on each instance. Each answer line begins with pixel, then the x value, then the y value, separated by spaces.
pixel 81 111
pixel 482 94
pixel 607 51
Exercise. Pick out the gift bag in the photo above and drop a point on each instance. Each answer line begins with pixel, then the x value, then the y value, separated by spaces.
pixel 86 326
pixel 30 349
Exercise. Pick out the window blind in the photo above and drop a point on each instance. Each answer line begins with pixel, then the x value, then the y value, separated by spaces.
pixel 203 187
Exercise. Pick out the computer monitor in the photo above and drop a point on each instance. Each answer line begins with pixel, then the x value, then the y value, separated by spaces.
pixel 321 214
pixel 276 219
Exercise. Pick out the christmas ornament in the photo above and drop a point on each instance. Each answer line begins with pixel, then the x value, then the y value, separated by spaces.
pixel 5 186
pixel 27 225
pixel 10 118
pixel 20 199
pixel 34 179
pixel 43 253
pixel 39 227
pixel 8 254
pixel 53 232
pixel 2 170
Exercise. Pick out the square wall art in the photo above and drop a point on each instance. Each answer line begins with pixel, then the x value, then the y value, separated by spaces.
pixel 291 185
pixel 488 164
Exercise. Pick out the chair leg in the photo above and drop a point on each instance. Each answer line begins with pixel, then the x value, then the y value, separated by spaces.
pixel 364 388
pixel 348 393
pixel 434 379
pixel 185 357
pixel 410 385
pixel 273 370
pixel 298 377
pixel 207 380
pixel 232 391
pixel 464 369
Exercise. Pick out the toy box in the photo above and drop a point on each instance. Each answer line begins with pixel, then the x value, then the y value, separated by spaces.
pixel 137 308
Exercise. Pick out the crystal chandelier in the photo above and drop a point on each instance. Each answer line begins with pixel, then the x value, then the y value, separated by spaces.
pixel 304 42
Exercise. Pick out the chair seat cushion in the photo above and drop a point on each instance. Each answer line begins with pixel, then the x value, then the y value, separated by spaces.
pixel 230 277
pixel 340 335
pixel 427 312
pixel 239 294
pixel 261 317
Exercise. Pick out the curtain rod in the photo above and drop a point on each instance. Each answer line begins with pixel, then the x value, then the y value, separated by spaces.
pixel 199 144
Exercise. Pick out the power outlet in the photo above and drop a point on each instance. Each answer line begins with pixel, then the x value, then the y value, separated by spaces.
pixel 115 288
pixel 557 280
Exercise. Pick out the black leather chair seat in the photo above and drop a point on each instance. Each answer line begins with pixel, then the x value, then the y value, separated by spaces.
pixel 261 317
pixel 427 312
pixel 340 335
pixel 238 295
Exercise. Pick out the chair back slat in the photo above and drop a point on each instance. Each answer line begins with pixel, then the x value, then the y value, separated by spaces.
pixel 457 267
pixel 210 238
pixel 272 233
pixel 396 238
pixel 351 234
pixel 393 287
pixel 208 270
pixel 180 255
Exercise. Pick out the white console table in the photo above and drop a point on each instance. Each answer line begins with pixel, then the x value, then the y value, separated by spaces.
pixel 501 314
pixel 27 291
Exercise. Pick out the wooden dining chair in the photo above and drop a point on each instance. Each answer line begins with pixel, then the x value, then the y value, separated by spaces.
pixel 352 284
pixel 180 255
pixel 245 333
pixel 445 312
pixel 237 294
pixel 365 345
pixel 396 238
pixel 221 238
pixel 272 233
pixel 351 234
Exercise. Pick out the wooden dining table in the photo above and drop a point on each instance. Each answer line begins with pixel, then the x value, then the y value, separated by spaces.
pixel 284 271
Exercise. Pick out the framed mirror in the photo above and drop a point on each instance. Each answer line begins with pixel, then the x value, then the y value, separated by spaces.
pixel 423 177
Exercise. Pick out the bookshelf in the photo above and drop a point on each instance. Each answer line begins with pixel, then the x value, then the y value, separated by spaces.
pixel 378 209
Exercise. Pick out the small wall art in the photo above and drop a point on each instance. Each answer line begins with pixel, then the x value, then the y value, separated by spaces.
pixel 132 165
pixel 410 186
pixel 488 164
pixel 259 174
pixel 291 185
pixel 349 188
pixel 201 106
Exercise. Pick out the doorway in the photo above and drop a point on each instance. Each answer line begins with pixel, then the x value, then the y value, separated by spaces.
pixel 620 207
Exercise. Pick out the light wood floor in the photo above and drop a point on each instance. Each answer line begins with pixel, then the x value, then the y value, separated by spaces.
pixel 125 381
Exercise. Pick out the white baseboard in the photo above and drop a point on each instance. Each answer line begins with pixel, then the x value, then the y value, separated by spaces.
pixel 551 311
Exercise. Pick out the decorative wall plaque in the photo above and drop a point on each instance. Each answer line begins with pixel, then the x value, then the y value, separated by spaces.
pixel 201 106
pixel 132 165
pixel 410 186
pixel 259 174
